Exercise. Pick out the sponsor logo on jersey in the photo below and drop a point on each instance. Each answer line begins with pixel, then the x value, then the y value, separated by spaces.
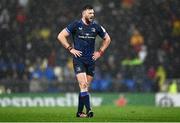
pixel 87 34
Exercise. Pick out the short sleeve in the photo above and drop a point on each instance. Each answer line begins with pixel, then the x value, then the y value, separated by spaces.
pixel 71 27
pixel 101 31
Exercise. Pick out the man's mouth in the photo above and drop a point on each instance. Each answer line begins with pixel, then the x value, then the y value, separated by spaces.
pixel 91 18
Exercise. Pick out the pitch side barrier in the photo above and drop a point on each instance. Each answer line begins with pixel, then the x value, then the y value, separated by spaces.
pixel 97 99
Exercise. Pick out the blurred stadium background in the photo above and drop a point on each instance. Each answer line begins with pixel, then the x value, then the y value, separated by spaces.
pixel 142 60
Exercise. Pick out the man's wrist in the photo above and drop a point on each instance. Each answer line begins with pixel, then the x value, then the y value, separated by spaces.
pixel 101 52
pixel 69 48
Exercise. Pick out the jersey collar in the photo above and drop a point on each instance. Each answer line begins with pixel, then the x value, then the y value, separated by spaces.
pixel 85 24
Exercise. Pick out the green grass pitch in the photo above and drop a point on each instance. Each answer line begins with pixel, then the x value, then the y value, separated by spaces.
pixel 102 114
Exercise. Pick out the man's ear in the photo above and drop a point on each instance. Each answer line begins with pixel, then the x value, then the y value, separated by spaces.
pixel 83 12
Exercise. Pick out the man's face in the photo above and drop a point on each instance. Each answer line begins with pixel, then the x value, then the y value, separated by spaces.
pixel 89 15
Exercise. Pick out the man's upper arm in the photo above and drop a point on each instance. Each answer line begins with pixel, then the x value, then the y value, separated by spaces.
pixel 71 27
pixel 68 30
pixel 101 32
pixel 107 36
pixel 65 33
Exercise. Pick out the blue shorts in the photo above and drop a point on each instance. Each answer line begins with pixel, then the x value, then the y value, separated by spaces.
pixel 83 65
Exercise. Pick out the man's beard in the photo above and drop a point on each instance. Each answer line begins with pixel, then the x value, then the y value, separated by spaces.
pixel 89 19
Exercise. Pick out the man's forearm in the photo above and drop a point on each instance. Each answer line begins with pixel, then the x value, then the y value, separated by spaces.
pixel 63 41
pixel 105 43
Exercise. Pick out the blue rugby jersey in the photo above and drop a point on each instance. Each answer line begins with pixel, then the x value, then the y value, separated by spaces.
pixel 84 36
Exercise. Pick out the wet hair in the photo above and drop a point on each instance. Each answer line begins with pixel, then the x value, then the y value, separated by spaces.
pixel 87 7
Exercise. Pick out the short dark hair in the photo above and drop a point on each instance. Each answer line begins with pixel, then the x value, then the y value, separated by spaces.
pixel 87 7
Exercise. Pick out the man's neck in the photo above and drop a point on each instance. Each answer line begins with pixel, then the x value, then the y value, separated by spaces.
pixel 85 21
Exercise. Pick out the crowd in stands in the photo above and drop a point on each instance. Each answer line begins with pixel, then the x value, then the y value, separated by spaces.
pixel 144 52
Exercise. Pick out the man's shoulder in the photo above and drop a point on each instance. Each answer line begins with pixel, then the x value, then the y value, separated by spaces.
pixel 96 24
pixel 75 22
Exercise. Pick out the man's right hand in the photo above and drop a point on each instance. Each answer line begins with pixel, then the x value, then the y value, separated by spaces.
pixel 76 53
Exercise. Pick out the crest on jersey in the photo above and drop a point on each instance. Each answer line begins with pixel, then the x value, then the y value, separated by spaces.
pixel 93 29
pixel 80 28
